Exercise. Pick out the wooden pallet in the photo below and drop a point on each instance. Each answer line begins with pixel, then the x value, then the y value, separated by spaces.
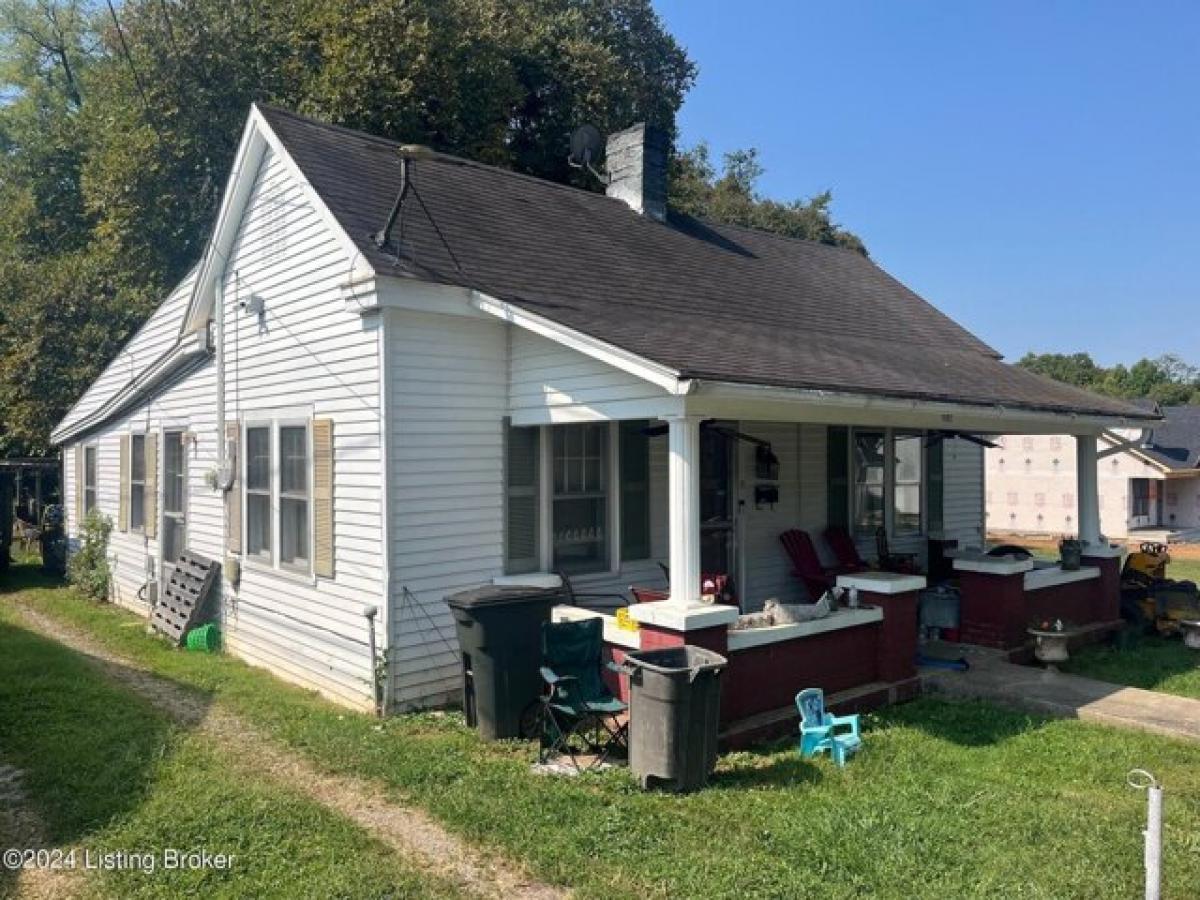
pixel 180 605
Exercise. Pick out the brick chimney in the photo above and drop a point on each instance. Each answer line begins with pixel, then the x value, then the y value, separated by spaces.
pixel 636 160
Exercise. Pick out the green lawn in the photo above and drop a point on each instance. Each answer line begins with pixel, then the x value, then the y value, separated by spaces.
pixel 105 772
pixel 948 799
pixel 1158 664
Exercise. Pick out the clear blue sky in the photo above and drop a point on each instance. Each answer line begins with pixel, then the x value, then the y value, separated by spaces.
pixel 1031 168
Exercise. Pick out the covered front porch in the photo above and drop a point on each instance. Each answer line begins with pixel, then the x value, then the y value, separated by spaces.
pixel 682 509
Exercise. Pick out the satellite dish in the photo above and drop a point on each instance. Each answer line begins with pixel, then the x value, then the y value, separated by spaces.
pixel 586 144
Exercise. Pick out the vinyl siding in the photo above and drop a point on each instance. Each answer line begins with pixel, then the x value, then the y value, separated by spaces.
pixel 187 404
pixel 962 507
pixel 306 353
pixel 544 373
pixel 767 573
pixel 447 402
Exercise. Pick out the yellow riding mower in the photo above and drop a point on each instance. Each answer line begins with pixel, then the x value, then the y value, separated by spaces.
pixel 1149 598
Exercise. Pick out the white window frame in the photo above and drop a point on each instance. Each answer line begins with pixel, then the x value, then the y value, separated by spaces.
pixel 546 501
pixel 136 529
pixel 889 481
pixel 249 425
pixel 274 422
pixel 922 483
pixel 612 549
pixel 277 487
pixel 94 447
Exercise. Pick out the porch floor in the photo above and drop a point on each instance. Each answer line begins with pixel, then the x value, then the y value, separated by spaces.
pixel 992 677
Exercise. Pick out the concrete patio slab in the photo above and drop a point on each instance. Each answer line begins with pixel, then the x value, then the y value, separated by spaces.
pixel 992 677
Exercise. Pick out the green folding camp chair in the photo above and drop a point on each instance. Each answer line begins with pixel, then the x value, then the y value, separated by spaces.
pixel 578 715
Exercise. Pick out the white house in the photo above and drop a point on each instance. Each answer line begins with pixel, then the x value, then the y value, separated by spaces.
pixel 1149 481
pixel 395 374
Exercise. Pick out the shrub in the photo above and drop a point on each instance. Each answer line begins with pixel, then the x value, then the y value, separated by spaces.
pixel 88 567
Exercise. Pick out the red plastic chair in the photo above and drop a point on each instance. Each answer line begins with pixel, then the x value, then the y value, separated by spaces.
pixel 806 565
pixel 844 548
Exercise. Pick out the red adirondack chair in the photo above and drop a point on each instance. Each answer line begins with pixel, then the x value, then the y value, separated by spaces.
pixel 844 548
pixel 806 565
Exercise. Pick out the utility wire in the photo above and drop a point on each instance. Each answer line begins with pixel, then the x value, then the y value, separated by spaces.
pixel 137 79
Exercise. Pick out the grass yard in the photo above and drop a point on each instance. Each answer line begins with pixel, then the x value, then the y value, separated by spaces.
pixel 104 771
pixel 948 799
pixel 1158 664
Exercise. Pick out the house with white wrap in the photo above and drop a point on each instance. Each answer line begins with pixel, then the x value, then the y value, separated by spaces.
pixel 396 374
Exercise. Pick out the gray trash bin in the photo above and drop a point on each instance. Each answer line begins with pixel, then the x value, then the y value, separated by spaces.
pixel 674 714
pixel 500 636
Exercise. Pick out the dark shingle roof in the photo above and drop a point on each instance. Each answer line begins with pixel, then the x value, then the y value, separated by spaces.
pixel 709 301
pixel 1175 442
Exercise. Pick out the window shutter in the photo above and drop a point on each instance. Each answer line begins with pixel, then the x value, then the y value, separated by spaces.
pixel 79 454
pixel 522 461
pixel 150 493
pixel 838 476
pixel 123 499
pixel 322 435
pixel 635 490
pixel 233 496
pixel 935 494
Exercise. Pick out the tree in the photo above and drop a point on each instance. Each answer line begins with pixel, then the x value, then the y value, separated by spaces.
pixel 731 197
pixel 1167 379
pixel 119 123
pixel 1076 368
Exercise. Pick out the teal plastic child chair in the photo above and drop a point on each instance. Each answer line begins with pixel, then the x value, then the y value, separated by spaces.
pixel 822 732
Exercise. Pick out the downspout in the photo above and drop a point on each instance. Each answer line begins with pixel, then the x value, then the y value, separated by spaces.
pixel 383 693
pixel 219 350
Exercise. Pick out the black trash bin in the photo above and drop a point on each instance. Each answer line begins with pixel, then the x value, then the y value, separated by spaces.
pixel 674 714
pixel 499 635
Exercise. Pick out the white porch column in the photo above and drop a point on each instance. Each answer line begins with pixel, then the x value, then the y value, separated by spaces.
pixel 684 515
pixel 678 619
pixel 1088 490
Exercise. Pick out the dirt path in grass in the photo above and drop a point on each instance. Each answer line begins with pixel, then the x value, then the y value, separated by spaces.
pixel 22 828
pixel 408 831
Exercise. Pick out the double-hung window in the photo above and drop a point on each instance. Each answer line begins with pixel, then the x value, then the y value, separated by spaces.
pixel 907 482
pixel 580 500
pixel 577 497
pixel 868 466
pixel 278 492
pixel 294 497
pixel 887 481
pixel 258 492
pixel 137 482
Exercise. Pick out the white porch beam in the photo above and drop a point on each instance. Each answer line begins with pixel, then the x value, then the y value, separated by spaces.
pixel 684 499
pixel 1088 489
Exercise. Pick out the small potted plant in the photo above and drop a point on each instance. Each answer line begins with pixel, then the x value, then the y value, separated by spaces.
pixel 1070 552
pixel 1050 638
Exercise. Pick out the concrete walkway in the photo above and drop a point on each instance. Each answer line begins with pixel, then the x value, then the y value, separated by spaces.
pixel 992 677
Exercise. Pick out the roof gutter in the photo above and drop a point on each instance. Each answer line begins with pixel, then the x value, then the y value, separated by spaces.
pixel 947 409
pixel 188 349
pixel 663 376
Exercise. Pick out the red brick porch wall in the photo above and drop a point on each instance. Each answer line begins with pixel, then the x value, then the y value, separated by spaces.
pixel 996 610
pixel 766 678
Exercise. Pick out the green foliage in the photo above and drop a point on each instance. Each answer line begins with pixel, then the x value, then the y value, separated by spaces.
pixel 106 770
pixel 88 567
pixel 731 197
pixel 115 143
pixel 1167 379
pixel 962 799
